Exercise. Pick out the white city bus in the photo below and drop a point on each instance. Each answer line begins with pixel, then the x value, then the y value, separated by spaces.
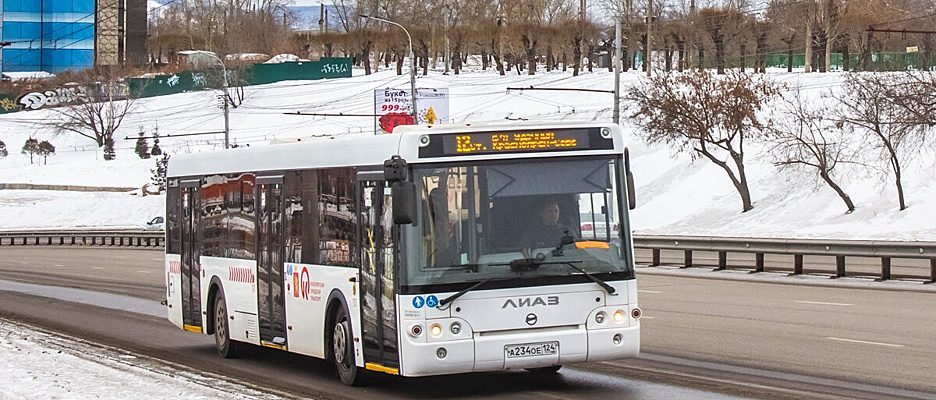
pixel 436 250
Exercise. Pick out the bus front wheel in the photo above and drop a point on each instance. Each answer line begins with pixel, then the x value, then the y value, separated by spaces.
pixel 226 347
pixel 343 350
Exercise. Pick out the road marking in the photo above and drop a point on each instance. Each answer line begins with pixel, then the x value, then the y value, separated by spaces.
pixel 58 265
pixel 158 259
pixel 865 342
pixel 98 267
pixel 822 303
pixel 24 262
pixel 646 317
pixel 648 291
pixel 145 272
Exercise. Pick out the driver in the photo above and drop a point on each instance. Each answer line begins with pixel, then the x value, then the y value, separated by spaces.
pixel 547 232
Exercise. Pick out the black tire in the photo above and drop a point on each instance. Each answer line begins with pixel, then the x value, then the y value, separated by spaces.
pixel 545 370
pixel 226 347
pixel 342 350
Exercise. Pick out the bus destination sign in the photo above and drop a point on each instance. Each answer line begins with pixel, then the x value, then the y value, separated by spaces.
pixel 472 143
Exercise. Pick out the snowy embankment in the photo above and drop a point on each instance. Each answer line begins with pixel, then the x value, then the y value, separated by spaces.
pixel 41 365
pixel 676 195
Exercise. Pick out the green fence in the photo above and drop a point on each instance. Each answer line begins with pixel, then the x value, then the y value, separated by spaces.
pixel 877 62
pixel 257 74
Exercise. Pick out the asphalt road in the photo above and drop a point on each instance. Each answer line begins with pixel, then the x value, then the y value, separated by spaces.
pixel 701 338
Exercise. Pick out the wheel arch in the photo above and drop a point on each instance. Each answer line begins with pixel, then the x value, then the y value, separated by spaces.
pixel 336 301
pixel 214 286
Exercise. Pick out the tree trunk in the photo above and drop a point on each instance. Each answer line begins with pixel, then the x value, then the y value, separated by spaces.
pixel 719 41
pixel 549 58
pixel 485 61
pixel 576 56
pixel 399 64
pixel 365 57
pixel 895 163
pixel 681 52
pixel 743 56
pixel 789 55
pixel 529 44
pixel 809 45
pixel 824 174
pixel 591 63
pixel 761 56
pixel 701 58
pixel 565 63
pixel 846 57
pixel 739 181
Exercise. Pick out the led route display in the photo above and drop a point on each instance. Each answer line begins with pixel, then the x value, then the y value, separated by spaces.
pixel 514 142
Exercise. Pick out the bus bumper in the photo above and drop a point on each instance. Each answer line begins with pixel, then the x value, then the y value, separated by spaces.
pixel 487 351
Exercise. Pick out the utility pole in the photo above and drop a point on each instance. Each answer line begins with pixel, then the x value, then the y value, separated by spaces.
pixel 649 36
pixel 616 117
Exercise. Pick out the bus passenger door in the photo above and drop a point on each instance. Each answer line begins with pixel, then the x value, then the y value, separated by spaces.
pixel 191 269
pixel 376 246
pixel 270 301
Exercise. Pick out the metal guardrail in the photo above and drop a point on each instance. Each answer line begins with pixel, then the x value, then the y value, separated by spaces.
pixel 114 238
pixel 798 248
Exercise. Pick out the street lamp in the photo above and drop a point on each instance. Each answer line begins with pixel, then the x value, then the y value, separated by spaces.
pixel 412 63
pixel 224 85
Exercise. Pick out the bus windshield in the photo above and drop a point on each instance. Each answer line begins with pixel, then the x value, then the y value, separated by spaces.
pixel 516 219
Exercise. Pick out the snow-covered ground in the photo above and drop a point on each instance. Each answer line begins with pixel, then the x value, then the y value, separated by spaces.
pixel 676 195
pixel 37 364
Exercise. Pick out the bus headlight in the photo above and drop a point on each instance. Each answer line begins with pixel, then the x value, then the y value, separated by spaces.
pixel 600 317
pixel 435 329
pixel 619 316
pixel 455 328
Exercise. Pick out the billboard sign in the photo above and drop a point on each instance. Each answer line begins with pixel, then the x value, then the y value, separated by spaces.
pixel 393 107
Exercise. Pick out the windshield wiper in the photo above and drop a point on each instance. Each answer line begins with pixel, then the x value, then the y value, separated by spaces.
pixel 455 296
pixel 535 263
pixel 604 285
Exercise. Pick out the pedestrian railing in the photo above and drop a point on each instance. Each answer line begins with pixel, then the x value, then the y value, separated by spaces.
pixel 841 250
pixel 688 246
pixel 114 238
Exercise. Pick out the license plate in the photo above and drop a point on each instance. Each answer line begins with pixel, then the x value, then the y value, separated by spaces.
pixel 531 349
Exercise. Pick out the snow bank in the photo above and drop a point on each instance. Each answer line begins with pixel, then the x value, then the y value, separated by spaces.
pixel 37 364
pixel 676 195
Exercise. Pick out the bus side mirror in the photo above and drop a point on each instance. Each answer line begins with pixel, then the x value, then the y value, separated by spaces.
pixel 631 191
pixel 404 202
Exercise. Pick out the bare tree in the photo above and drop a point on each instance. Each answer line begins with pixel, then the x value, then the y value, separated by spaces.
pixel 708 116
pixel 862 106
pixel 96 114
pixel 809 138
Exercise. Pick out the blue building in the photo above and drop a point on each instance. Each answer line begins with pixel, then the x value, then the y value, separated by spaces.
pixel 48 35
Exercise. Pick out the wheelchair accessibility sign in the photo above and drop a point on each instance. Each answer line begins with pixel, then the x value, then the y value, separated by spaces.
pixel 429 301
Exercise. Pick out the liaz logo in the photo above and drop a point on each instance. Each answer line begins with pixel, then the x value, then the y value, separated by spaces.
pixel 531 302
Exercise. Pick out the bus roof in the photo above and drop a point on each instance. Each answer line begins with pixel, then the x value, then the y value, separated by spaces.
pixel 410 142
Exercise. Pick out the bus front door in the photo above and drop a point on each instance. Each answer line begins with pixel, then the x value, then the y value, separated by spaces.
pixel 191 270
pixel 270 301
pixel 376 238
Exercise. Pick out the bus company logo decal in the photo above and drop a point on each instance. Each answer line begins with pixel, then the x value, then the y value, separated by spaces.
pixel 175 267
pixel 302 285
pixel 240 274
pixel 521 302
pixel 531 319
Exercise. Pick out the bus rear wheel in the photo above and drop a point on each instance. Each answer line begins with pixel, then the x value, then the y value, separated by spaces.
pixel 343 350
pixel 226 347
